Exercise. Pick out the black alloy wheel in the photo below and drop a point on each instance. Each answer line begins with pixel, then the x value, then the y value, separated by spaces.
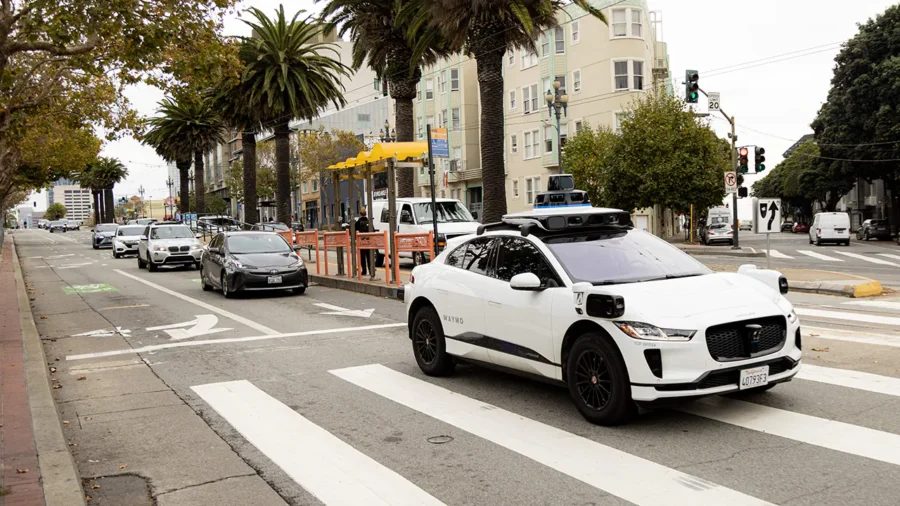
pixel 598 380
pixel 429 345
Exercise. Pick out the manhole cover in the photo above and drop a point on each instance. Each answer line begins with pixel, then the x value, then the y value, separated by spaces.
pixel 439 440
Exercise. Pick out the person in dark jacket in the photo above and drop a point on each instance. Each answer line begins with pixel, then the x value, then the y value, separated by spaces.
pixel 362 225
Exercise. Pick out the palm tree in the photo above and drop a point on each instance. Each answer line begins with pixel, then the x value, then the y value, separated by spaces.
pixel 187 126
pixel 287 77
pixel 102 174
pixel 382 39
pixel 487 29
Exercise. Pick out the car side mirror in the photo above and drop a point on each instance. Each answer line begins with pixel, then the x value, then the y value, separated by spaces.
pixel 197 236
pixel 143 237
pixel 215 251
pixel 527 281
pixel 297 247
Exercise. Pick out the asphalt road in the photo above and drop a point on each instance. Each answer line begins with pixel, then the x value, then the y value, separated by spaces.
pixel 273 399
pixel 879 260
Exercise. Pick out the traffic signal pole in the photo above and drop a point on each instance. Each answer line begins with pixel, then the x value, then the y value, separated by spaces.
pixel 737 239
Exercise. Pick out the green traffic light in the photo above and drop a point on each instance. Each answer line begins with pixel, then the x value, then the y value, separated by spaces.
pixel 761 167
pixel 694 96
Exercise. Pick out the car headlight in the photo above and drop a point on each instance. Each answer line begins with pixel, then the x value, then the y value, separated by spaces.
pixel 298 262
pixel 196 246
pixel 231 265
pixel 647 332
pixel 159 248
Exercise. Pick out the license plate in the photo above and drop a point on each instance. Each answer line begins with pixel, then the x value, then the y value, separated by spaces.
pixel 274 280
pixel 756 377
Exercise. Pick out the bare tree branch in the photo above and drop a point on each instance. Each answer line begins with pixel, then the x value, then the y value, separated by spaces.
pixel 19 47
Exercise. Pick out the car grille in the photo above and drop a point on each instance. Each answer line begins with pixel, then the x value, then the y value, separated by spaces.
pixel 731 342
pixel 729 377
pixel 176 249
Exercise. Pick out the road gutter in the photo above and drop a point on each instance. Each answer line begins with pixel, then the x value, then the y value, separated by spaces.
pixel 59 476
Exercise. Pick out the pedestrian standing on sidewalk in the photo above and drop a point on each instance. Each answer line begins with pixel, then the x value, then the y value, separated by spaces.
pixel 362 225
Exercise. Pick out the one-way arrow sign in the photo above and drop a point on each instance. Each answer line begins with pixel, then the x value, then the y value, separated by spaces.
pixel 342 311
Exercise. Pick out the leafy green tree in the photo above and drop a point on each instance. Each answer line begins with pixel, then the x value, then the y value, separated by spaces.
pixel 385 39
pixel 487 29
pixel 289 75
pixel 858 128
pixel 186 126
pixel 216 205
pixel 55 211
pixel 587 154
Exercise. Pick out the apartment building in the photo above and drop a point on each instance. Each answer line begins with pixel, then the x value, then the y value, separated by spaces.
pixel 70 194
pixel 447 97
pixel 601 68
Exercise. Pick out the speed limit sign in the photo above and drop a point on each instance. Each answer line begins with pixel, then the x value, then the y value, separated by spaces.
pixel 714 101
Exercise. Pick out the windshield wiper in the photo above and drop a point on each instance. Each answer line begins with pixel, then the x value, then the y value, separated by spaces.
pixel 676 276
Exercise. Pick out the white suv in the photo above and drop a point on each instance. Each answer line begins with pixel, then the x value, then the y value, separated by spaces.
pixel 621 317
pixel 168 243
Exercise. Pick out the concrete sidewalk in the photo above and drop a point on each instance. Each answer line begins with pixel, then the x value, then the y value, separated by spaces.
pixel 822 282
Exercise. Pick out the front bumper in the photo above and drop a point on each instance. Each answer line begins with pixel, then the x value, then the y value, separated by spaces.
pixel 169 258
pixel 103 242
pixel 239 281
pixel 125 249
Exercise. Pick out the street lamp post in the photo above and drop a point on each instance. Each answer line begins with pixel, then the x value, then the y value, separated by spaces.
pixel 141 191
pixel 169 184
pixel 558 100
pixel 387 134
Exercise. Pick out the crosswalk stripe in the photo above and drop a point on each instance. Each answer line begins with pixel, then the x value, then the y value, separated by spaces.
pixel 330 469
pixel 818 255
pixel 842 315
pixel 867 259
pixel 883 304
pixel 774 253
pixel 854 337
pixel 888 255
pixel 851 379
pixel 831 434
pixel 606 468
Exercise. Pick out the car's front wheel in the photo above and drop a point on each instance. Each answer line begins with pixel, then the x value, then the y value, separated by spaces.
pixel 429 345
pixel 141 263
pixel 151 266
pixel 225 291
pixel 598 381
pixel 300 290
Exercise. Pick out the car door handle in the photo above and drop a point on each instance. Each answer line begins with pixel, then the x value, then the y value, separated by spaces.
pixel 494 304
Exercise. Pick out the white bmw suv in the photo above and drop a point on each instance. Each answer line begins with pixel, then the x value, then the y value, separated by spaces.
pixel 168 243
pixel 621 317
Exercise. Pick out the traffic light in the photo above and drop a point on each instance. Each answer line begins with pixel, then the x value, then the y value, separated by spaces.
pixel 742 160
pixel 760 166
pixel 691 86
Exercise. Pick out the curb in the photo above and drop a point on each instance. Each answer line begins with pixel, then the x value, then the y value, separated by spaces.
pixel 352 285
pixel 841 288
pixel 59 476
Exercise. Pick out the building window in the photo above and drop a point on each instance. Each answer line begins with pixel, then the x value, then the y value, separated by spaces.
pixel 576 34
pixel 429 89
pixel 638 77
pixel 512 100
pixel 548 139
pixel 636 28
pixel 526 97
pixel 315 185
pixel 454 79
pixel 620 24
pixel 442 119
pixel 457 155
pixel 545 44
pixel 534 98
pixel 454 118
pixel 511 57
pixel 621 74
pixel 562 82
pixel 421 127
pixel 442 83
pixel 560 36
pixel 532 188
pixel 513 144
pixel 531 144
pixel 418 91
pixel 515 188
pixel 377 84
pixel 306 187
pixel 579 124
pixel 620 118
pixel 529 59
pixel 660 63
pixel 429 122
pixel 576 81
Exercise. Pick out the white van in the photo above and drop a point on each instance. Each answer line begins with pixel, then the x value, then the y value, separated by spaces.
pixel 414 217
pixel 830 227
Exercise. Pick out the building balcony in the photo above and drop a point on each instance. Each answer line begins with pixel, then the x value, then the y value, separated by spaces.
pixel 460 174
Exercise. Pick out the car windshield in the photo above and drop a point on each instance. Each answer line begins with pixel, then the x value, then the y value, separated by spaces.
pixel 171 233
pixel 106 228
pixel 878 223
pixel 256 243
pixel 605 258
pixel 272 226
pixel 447 212
pixel 145 221
pixel 58 223
pixel 132 230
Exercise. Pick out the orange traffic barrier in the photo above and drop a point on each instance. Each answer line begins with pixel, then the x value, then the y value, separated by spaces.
pixel 338 240
pixel 309 239
pixel 369 241
pixel 288 235
pixel 411 243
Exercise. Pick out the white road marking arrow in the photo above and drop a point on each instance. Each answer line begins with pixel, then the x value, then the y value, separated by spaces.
pixel 202 326
pixel 342 311
pixel 104 333
pixel 73 266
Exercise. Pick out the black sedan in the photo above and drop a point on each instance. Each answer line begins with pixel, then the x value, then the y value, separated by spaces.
pixel 102 235
pixel 787 226
pixel 877 229
pixel 250 261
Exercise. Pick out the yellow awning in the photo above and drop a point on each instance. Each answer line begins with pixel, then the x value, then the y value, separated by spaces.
pixel 380 152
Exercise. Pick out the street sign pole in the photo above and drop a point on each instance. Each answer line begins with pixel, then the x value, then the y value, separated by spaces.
pixel 433 200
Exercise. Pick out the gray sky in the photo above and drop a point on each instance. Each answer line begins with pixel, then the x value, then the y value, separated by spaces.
pixel 773 103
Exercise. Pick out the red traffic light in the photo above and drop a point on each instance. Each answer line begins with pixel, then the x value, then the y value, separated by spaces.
pixel 744 152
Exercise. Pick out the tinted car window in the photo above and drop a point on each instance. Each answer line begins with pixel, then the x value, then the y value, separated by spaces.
pixel 257 243
pixel 477 256
pixel 385 216
pixel 878 223
pixel 455 258
pixel 105 228
pixel 126 230
pixel 621 257
pixel 516 256
pixel 170 233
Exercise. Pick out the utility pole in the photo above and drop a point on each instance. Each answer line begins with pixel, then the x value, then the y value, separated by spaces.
pixel 141 191
pixel 170 183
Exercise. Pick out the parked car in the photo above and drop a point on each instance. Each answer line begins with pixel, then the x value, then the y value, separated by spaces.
pixel 168 243
pixel 787 226
pixel 249 261
pixel 718 232
pixel 127 239
pixel 277 227
pixel 216 224
pixel 800 228
pixel 877 229
pixel 44 224
pixel 58 226
pixel 73 225
pixel 830 227
pixel 102 235
pixel 746 224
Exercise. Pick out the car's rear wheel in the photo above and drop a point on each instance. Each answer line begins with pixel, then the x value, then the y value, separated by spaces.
pixel 429 345
pixel 225 291
pixel 598 381
pixel 203 284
